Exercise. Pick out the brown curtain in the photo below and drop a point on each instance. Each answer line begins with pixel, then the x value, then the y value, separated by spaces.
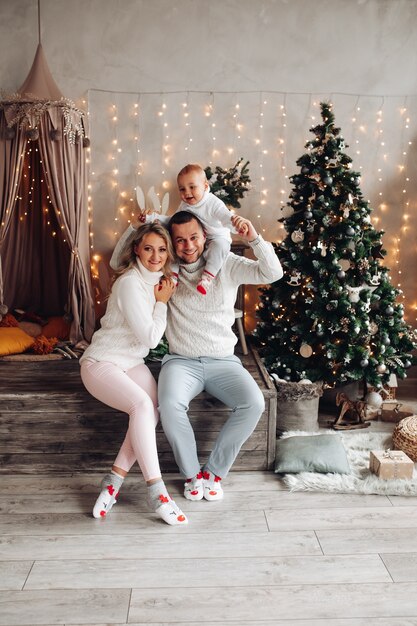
pixel 11 159
pixel 35 256
pixel 65 170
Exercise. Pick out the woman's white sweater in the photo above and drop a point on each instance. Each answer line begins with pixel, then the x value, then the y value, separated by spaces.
pixel 133 323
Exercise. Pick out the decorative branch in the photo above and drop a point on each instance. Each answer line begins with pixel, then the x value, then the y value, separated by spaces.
pixel 229 185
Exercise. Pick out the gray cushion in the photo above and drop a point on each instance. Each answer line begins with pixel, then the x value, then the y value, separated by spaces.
pixel 315 453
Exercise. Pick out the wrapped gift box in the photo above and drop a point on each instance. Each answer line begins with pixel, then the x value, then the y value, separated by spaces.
pixel 392 411
pixel 390 464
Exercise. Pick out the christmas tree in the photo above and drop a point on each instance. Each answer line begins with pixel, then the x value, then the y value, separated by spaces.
pixel 333 317
pixel 230 185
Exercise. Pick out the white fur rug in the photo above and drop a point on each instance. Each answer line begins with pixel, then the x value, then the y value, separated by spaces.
pixel 361 480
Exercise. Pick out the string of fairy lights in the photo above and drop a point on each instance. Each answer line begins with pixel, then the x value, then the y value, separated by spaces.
pixel 33 187
pixel 159 132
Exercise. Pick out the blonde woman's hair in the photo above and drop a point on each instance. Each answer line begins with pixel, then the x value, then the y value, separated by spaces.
pixel 192 167
pixel 128 256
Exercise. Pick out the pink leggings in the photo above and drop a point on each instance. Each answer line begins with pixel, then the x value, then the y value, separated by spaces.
pixel 133 392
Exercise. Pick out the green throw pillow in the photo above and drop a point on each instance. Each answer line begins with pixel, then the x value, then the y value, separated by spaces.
pixel 316 453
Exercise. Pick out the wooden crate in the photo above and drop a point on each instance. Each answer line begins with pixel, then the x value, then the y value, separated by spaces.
pixel 50 423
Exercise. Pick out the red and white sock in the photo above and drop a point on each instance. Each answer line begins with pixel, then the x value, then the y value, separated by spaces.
pixel 160 502
pixel 110 487
pixel 213 489
pixel 205 282
pixel 194 487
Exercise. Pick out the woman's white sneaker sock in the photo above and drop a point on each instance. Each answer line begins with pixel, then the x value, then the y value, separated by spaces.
pixel 160 502
pixel 110 487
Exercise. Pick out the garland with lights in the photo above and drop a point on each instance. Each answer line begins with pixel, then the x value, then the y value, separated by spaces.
pixel 333 317
pixel 229 185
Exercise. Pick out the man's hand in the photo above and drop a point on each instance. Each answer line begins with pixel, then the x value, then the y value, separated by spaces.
pixel 244 227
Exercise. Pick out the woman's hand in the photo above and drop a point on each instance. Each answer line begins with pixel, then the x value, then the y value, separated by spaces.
pixel 164 290
pixel 244 227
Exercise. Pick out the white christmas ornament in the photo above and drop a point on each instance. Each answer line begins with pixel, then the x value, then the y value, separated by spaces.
pixel 373 328
pixel 295 278
pixel 353 292
pixel 323 248
pixel 375 279
pixel 277 379
pixel 286 211
pixel 373 399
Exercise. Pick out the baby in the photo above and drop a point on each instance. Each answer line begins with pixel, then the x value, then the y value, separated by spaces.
pixel 212 213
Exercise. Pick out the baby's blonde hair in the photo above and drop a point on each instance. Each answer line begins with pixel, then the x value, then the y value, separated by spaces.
pixel 192 167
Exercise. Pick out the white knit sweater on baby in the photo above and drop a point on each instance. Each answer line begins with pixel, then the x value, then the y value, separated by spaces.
pixel 212 213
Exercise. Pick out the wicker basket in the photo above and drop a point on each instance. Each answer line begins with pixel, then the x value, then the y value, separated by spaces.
pixel 298 406
pixel 404 436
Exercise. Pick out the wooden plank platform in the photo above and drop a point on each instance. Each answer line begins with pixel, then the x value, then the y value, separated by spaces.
pixel 49 422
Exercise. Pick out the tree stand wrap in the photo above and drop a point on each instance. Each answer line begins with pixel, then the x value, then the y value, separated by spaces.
pixel 298 406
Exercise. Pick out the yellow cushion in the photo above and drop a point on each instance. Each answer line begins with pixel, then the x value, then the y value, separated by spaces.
pixel 14 341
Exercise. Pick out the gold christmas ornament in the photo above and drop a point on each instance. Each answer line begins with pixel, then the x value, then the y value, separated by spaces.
pixel 306 351
pixel 344 264
pixel 297 236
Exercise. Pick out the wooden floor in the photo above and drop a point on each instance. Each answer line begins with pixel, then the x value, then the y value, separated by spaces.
pixel 262 556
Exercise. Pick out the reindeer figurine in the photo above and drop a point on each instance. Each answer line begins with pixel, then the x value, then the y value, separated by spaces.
pixel 352 413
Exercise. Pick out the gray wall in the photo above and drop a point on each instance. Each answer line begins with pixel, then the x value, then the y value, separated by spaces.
pixel 319 46
pixel 286 52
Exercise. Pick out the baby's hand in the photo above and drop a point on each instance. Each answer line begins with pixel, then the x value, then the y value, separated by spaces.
pixel 244 227
pixel 142 217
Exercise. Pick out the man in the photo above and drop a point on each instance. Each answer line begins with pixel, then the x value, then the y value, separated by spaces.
pixel 201 343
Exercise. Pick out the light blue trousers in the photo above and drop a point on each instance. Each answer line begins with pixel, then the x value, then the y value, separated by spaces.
pixel 180 380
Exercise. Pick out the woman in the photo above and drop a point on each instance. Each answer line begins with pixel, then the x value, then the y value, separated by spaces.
pixel 113 368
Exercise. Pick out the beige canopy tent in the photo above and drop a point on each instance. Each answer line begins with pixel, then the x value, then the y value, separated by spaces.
pixel 44 239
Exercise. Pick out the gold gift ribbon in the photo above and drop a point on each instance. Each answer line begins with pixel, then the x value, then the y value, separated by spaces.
pixel 390 454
